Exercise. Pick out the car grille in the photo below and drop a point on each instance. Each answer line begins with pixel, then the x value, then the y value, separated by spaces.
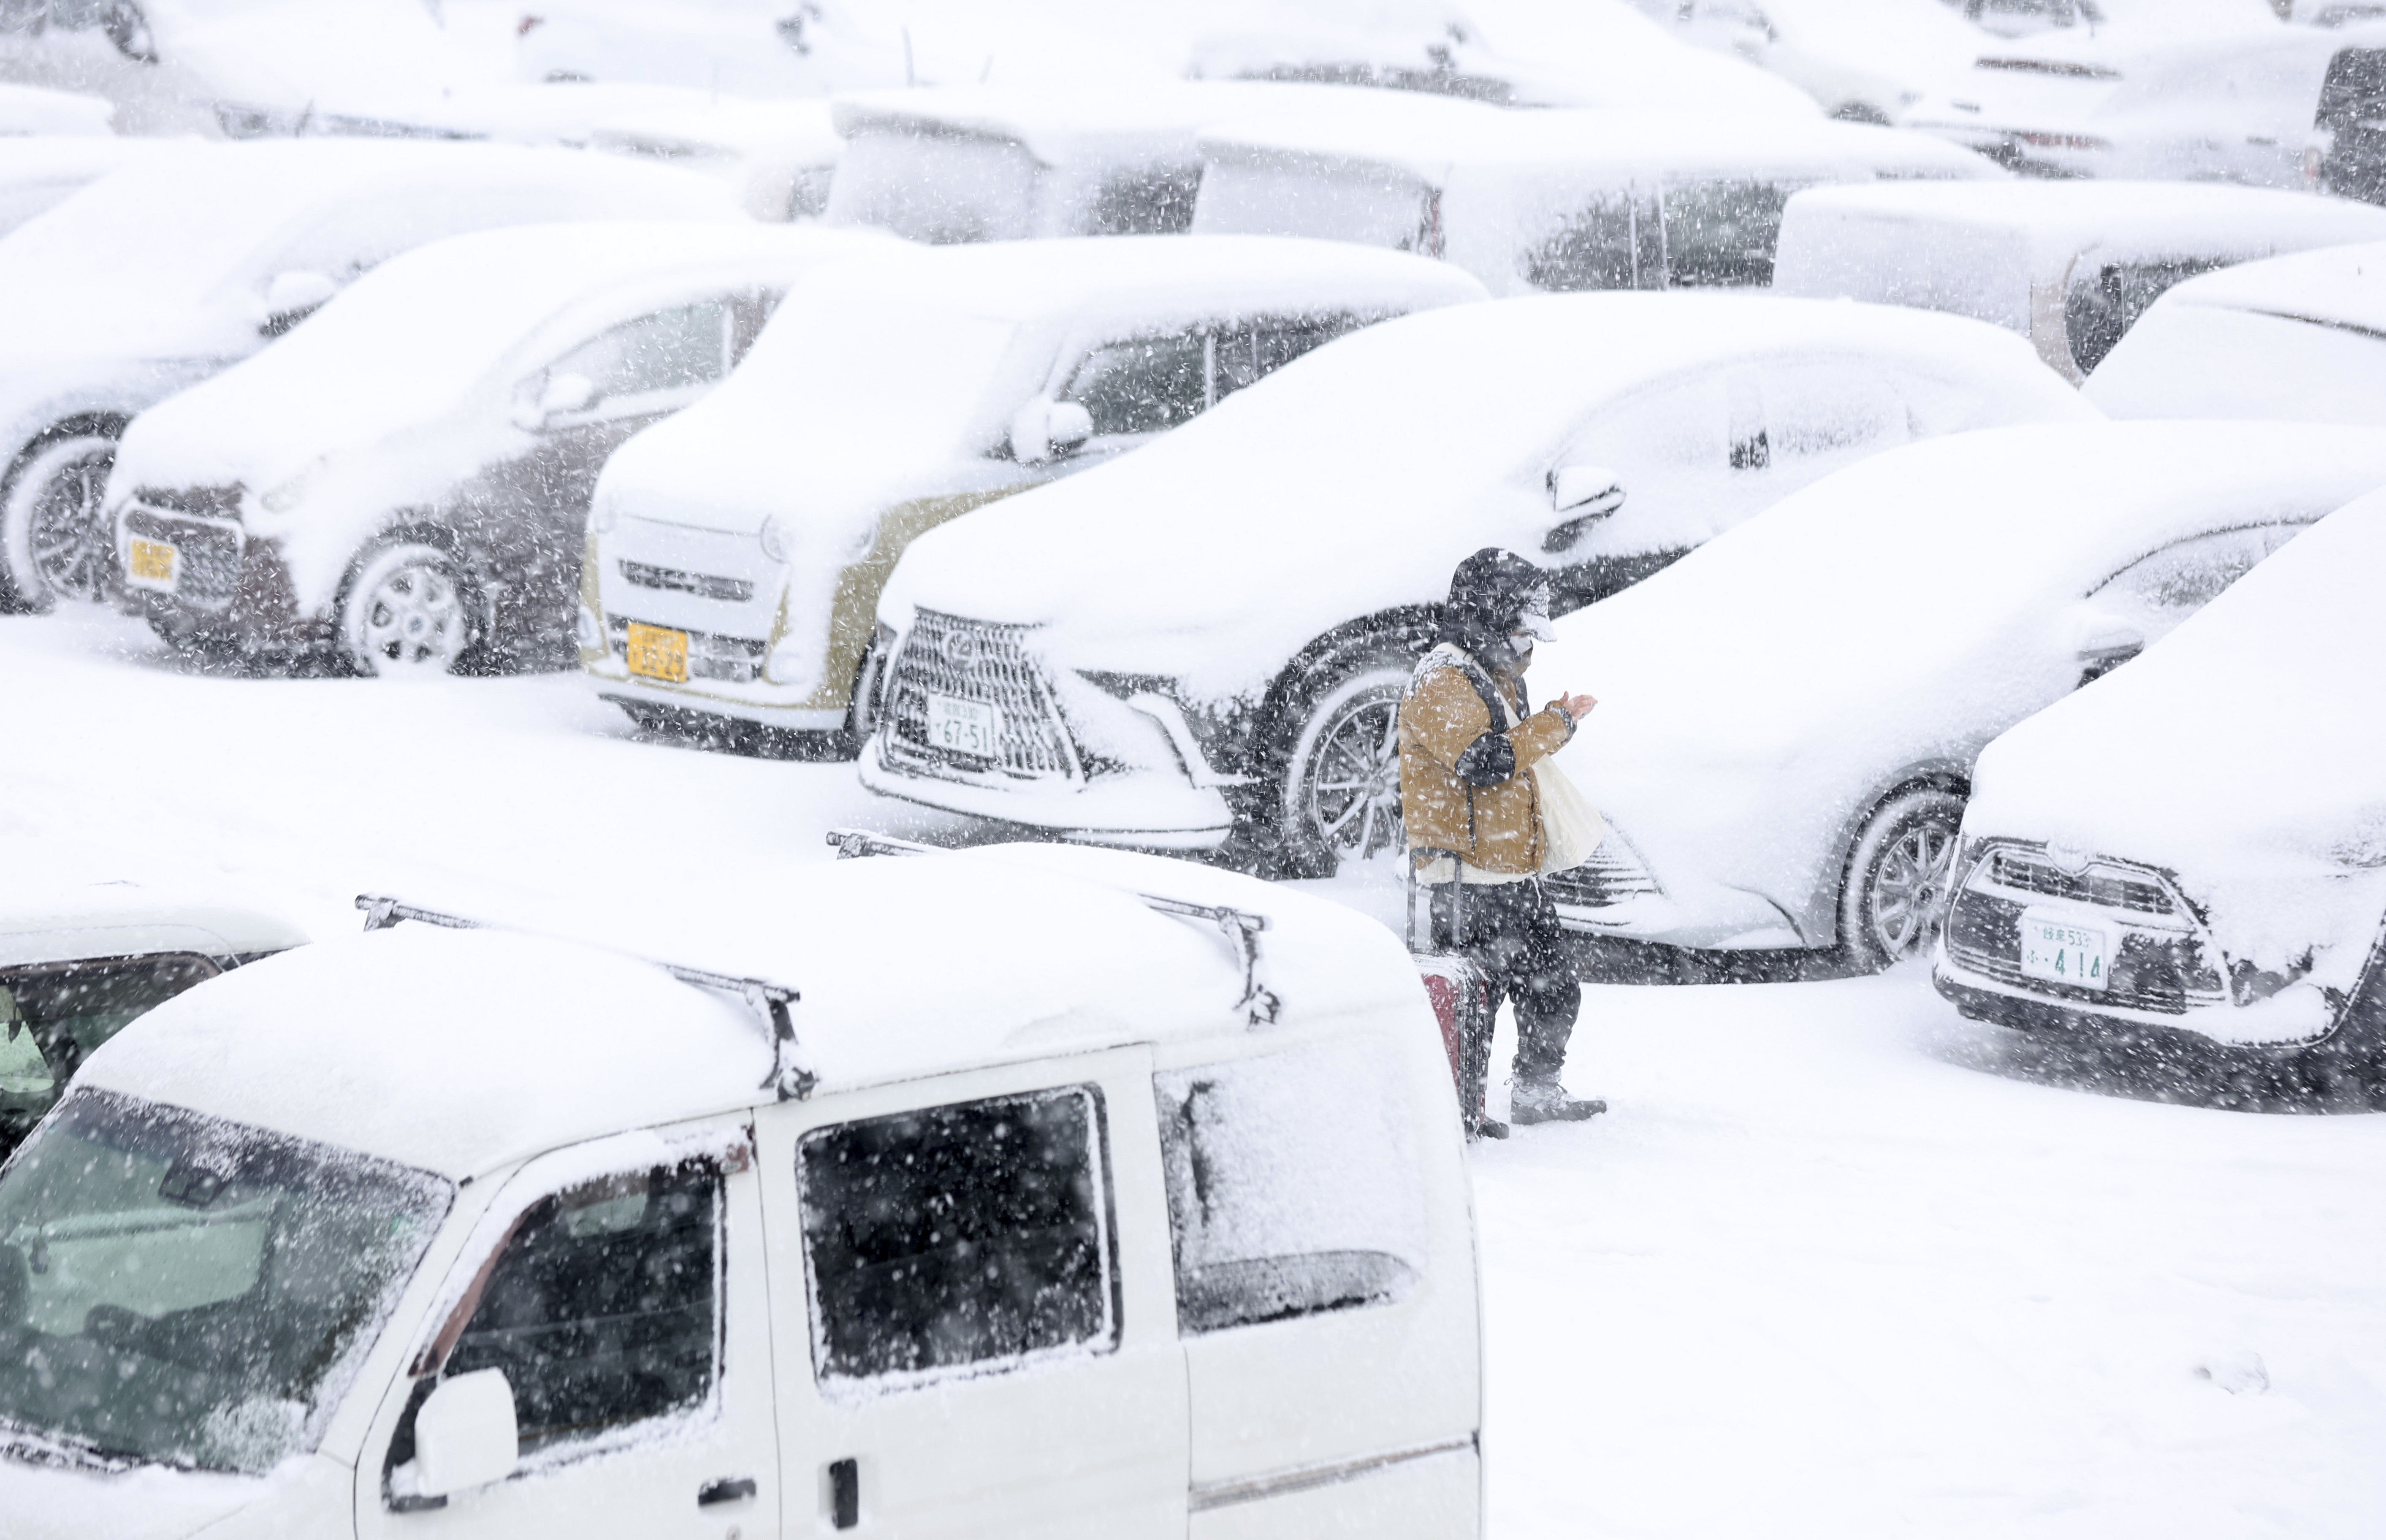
pixel 208 572
pixel 199 502
pixel 2029 873
pixel 732 659
pixel 1613 876
pixel 976 660
pixel 671 580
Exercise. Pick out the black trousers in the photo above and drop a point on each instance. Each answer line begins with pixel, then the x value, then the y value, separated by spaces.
pixel 1511 931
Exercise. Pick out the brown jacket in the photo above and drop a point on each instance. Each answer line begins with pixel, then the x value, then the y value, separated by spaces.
pixel 1462 792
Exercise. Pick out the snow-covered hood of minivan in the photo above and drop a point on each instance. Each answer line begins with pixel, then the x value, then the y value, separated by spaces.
pixel 65 1501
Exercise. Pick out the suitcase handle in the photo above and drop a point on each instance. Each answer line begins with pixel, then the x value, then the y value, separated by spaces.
pixel 1457 897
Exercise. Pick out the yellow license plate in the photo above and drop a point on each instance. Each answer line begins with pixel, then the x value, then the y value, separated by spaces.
pixel 656 652
pixel 152 561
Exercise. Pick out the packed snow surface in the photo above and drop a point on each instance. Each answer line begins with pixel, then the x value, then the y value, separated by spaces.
pixel 1353 479
pixel 2297 336
pixel 42 921
pixel 2242 753
pixel 1960 571
pixel 1836 1262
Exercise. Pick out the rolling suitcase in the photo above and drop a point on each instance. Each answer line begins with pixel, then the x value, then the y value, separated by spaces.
pixel 1462 1003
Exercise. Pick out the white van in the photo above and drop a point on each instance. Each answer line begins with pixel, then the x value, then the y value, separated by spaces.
pixel 1047 1190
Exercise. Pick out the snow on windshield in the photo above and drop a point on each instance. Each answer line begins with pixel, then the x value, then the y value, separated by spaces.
pixel 939 188
pixel 176 225
pixel 177 1290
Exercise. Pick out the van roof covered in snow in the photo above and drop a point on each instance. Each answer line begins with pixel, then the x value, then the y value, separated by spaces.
pixel 458 1051
pixel 1151 120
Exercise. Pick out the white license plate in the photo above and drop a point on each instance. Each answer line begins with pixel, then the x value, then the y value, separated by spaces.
pixel 2063 951
pixel 968 727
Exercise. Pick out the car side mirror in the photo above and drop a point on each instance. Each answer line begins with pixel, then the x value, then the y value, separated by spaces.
pixel 561 396
pixel 465 1435
pixel 292 297
pixel 1584 494
pixel 1045 429
pixel 2104 644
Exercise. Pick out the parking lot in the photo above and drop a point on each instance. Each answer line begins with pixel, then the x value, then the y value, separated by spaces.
pixel 1838 1262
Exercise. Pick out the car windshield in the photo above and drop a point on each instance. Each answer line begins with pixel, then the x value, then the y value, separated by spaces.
pixel 939 188
pixel 181 1290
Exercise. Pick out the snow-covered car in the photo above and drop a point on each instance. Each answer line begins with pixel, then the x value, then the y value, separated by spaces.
pixel 1508 53
pixel 2283 107
pixel 779 155
pixel 737 551
pixel 78 963
pixel 103 319
pixel 436 519
pixel 983 163
pixel 2299 337
pixel 36 110
pixel 1555 200
pixel 1867 61
pixel 1203 646
pixel 2131 879
pixel 1143 1213
pixel 40 171
pixel 2069 265
pixel 1804 791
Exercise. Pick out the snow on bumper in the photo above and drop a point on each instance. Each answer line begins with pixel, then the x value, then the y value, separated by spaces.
pixel 1149 810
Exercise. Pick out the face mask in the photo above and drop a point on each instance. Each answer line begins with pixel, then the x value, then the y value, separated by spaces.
pixel 1532 626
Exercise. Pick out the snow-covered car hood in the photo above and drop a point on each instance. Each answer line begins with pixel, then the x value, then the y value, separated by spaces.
pixel 69 1501
pixel 1353 481
pixel 2245 753
pixel 1891 618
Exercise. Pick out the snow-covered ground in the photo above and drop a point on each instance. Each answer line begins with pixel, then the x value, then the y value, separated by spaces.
pixel 1837 1263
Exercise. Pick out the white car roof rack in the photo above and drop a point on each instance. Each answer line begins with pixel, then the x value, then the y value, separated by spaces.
pixel 791 1075
pixel 1241 928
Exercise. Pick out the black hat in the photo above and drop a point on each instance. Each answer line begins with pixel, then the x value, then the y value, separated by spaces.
pixel 1487 593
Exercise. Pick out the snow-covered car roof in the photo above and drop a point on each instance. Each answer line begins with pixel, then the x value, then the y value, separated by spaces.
pixel 40 171
pixel 1909 608
pixel 1435 140
pixel 875 376
pixel 1977 248
pixel 429 326
pixel 2297 336
pixel 1437 426
pixel 226 203
pixel 62 923
pixel 1148 121
pixel 456 1052
pixel 2245 753
pixel 36 110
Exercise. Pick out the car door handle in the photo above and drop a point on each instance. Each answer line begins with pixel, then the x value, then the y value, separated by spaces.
pixel 729 1489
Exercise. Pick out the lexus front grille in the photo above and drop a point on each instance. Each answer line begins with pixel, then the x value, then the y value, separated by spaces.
pixel 198 502
pixel 988 664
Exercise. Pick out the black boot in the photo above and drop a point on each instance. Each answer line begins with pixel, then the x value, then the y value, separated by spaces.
pixel 1545 1101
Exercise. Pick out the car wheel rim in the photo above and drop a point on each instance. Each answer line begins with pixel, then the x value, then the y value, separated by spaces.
pixel 1354 779
pixel 412 620
pixel 71 542
pixel 1906 886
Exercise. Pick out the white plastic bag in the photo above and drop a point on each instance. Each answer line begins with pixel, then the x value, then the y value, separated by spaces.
pixel 1571 827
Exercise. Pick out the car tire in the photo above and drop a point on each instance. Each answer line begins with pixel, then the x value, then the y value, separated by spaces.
pixel 55 539
pixel 410 608
pixel 1340 799
pixel 1892 898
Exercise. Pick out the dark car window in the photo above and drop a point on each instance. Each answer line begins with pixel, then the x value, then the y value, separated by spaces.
pixel 1146 200
pixel 2107 299
pixel 54 1016
pixel 2353 113
pixel 1721 233
pixel 601 1311
pixel 670 350
pixel 1612 241
pixel 1250 351
pixel 1142 385
pixel 969 1235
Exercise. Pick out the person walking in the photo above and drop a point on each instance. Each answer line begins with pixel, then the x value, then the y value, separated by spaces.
pixel 1478 819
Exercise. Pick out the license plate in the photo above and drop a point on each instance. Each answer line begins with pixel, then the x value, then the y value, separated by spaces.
pixel 2063 951
pixel 153 563
pixel 964 726
pixel 658 652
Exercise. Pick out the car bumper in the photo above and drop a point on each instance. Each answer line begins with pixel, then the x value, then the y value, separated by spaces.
pixel 762 703
pixel 1141 809
pixel 2295 1019
pixel 222 586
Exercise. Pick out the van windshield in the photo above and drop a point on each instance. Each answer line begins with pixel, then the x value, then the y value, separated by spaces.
pixel 178 1290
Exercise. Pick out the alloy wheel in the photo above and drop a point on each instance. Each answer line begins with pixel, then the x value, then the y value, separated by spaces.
pixel 413 618
pixel 72 546
pixel 1354 779
pixel 1908 885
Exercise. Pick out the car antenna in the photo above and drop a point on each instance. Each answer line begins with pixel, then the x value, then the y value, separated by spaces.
pixel 1260 1005
pixel 792 1075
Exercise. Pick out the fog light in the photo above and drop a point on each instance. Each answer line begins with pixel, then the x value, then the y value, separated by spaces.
pixel 788 660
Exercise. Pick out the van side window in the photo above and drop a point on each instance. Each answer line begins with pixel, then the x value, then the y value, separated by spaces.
pixel 1142 385
pixel 1292 1187
pixel 70 1008
pixel 670 350
pixel 1613 240
pixel 602 1310
pixel 974 1233
pixel 1249 351
pixel 1721 233
pixel 2105 299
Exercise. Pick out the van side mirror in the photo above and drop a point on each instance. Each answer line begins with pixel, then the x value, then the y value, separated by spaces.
pixel 1045 429
pixel 465 1435
pixel 2104 644
pixel 561 396
pixel 1584 494
pixel 292 297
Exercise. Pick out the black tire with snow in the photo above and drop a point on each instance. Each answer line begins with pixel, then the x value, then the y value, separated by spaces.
pixel 1894 894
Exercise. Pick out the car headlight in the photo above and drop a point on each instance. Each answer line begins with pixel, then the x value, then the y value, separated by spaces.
pixel 775 541
pixel 602 513
pixel 290 494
